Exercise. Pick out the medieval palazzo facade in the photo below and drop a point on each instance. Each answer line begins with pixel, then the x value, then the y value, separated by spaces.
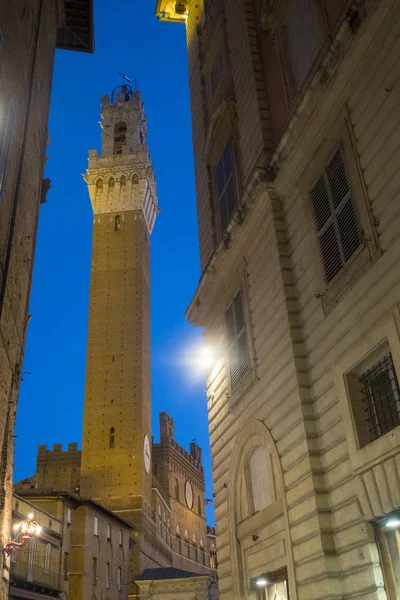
pixel 297 152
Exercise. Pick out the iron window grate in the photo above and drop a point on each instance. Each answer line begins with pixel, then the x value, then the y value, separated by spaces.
pixel 381 397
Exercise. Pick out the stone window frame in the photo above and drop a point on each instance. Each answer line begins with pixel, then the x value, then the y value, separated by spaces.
pixel 340 134
pixel 387 445
pixel 217 48
pixel 238 393
pixel 222 128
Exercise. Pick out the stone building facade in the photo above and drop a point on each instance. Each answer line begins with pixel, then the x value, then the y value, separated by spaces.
pixel 29 35
pixel 296 143
pixel 82 551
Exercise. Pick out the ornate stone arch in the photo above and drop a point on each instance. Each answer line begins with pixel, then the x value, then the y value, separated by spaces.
pixel 253 435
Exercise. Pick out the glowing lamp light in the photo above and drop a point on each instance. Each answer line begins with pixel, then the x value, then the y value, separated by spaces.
pixel 27 529
pixel 393 520
pixel 261 582
pixel 207 358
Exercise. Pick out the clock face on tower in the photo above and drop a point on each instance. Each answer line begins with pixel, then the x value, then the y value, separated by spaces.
pixel 189 494
pixel 146 453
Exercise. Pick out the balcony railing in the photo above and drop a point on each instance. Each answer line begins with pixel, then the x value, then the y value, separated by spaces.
pixel 33 577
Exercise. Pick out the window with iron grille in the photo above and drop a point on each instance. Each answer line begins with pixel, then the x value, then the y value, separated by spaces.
pixel 226 186
pixel 238 354
pixel 338 230
pixel 380 396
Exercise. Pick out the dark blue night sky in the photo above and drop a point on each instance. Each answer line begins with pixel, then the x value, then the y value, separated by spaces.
pixel 128 38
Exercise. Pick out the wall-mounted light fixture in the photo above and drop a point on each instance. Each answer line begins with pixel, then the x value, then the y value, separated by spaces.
pixel 393 520
pixel 26 529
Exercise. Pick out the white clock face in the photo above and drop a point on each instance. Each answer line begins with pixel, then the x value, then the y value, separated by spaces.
pixel 189 494
pixel 146 453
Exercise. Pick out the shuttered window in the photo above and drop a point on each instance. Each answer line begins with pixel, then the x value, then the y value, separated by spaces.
pixel 238 354
pixel 335 216
pixel 226 187
pixel 6 130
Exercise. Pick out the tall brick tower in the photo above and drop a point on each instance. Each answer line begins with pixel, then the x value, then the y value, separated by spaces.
pixel 116 448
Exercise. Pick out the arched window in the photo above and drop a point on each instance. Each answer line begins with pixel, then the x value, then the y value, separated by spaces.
pixel 199 505
pixel 112 437
pixel 260 480
pixel 99 185
pixel 135 178
pixel 194 541
pixel 176 489
pixel 47 558
pixel 119 136
pixel 117 224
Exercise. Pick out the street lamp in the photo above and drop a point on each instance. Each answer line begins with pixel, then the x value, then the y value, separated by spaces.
pixel 27 529
pixel 393 520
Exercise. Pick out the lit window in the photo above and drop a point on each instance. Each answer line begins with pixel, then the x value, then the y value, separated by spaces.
pixel 119 579
pixel 271 586
pixel 389 552
pixel 69 512
pixel 335 216
pixel 47 556
pixel 107 575
pixel 112 437
pixel 96 526
pixel 6 132
pixel 117 223
pixel 239 364
pixel 108 531
pixel 226 186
